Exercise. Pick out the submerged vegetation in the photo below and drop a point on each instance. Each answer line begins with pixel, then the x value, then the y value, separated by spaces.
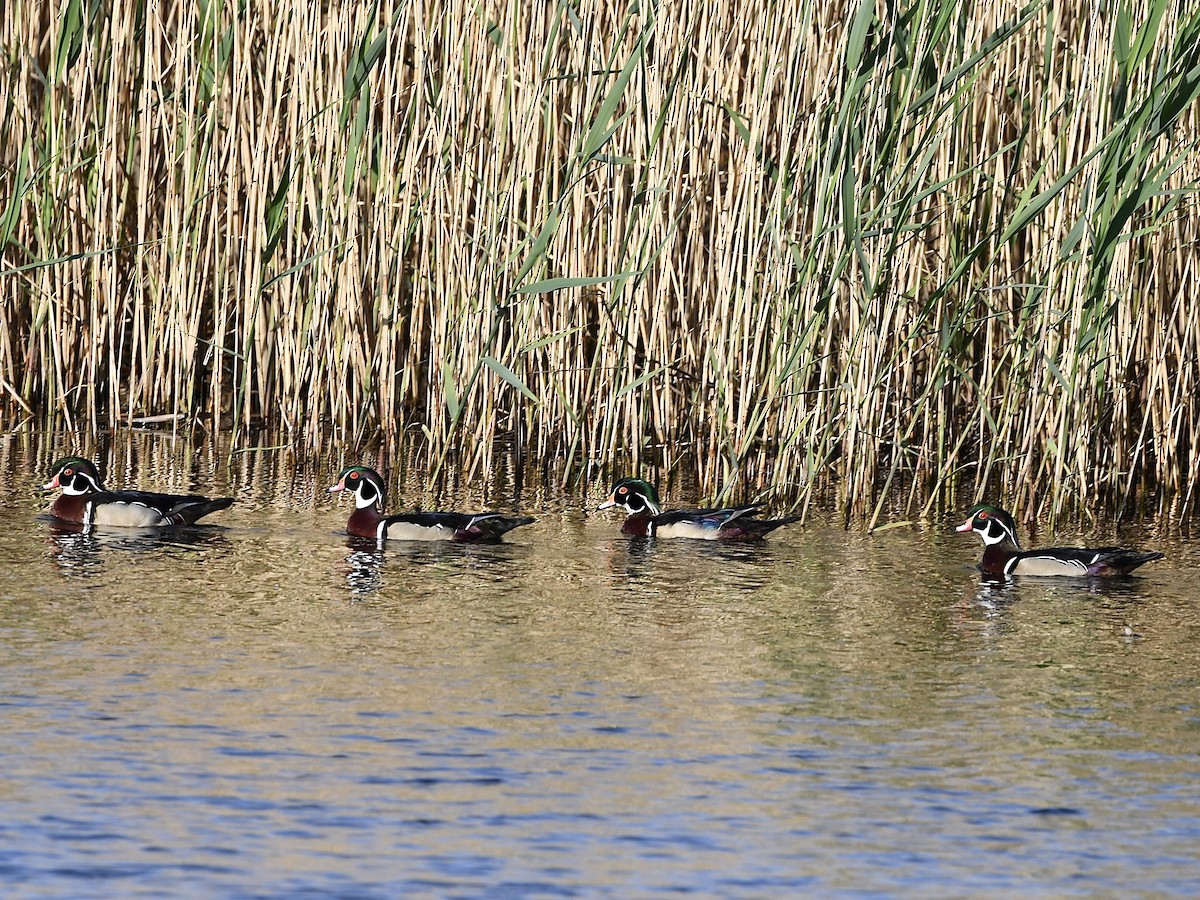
pixel 861 253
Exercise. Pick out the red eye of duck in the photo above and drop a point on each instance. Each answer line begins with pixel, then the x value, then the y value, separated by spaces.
pixel 68 471
pixel 983 515
pixel 353 474
pixel 623 491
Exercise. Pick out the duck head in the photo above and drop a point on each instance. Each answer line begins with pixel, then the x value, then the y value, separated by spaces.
pixel 365 484
pixel 74 475
pixel 994 524
pixel 634 496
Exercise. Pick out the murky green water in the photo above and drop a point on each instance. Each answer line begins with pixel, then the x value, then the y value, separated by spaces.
pixel 264 709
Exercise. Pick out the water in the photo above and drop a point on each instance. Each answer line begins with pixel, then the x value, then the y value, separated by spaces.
pixel 264 708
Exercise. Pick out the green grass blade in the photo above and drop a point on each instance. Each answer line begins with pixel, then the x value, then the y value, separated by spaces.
pixel 511 377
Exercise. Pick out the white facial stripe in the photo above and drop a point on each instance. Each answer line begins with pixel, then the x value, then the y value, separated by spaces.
pixel 996 531
pixel 366 494
pixel 90 486
pixel 634 501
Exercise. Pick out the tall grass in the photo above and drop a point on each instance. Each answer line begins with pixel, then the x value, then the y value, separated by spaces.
pixel 875 255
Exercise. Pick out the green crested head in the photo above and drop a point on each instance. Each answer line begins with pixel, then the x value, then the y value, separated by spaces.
pixel 70 462
pixel 75 475
pixel 364 483
pixel 993 524
pixel 634 496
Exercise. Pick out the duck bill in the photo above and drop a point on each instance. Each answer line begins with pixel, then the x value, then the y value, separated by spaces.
pixel 51 484
pixel 968 525
pixel 340 486
pixel 607 504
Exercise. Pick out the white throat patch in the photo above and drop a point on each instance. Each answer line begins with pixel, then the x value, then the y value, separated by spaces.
pixel 362 502
pixel 70 488
pixel 996 533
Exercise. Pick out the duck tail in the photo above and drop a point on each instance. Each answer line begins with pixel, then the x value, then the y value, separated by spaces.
pixel 192 512
pixel 751 529
pixel 1122 562
pixel 772 524
pixel 493 526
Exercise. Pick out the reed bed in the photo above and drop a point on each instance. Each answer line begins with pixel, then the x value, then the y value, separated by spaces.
pixel 875 256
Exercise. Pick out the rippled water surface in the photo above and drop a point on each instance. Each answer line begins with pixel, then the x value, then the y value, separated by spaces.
pixel 265 708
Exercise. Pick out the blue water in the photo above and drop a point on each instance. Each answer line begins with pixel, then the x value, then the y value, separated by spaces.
pixel 264 708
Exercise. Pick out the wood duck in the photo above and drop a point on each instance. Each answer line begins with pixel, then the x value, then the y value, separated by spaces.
pixel 85 501
pixel 368 519
pixel 998 529
pixel 646 518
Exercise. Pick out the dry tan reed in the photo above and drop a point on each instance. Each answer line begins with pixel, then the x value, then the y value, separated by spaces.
pixel 876 255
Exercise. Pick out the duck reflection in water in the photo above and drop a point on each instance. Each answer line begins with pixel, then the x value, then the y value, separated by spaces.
pixel 993 593
pixel 79 549
pixel 364 573
pixel 76 550
pixel 725 566
pixel 995 596
pixel 366 562
pixel 631 558
pixel 1007 588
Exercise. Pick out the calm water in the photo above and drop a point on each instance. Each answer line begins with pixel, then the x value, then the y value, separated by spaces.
pixel 266 709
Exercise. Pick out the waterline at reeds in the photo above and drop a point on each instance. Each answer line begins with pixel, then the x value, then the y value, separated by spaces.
pixel 853 253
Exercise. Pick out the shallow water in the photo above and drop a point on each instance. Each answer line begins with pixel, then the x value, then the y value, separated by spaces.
pixel 266 708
